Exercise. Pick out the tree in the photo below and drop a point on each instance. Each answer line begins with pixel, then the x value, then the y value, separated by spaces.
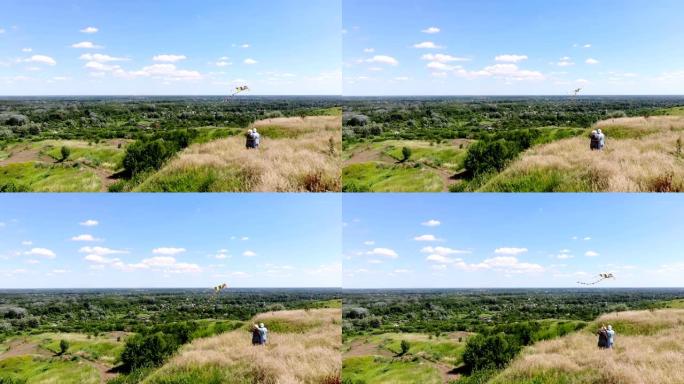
pixel 489 352
pixel 65 151
pixel 405 153
pixel 405 346
pixel 63 346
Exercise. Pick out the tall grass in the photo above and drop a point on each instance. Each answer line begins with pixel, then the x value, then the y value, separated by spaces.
pixel 649 349
pixel 645 161
pixel 296 155
pixel 307 351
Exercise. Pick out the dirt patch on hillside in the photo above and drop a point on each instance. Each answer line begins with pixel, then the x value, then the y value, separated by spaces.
pixel 364 348
pixel 25 154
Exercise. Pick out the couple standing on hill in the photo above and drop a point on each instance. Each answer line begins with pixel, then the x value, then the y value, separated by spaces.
pixel 252 139
pixel 598 140
pixel 606 337
pixel 259 334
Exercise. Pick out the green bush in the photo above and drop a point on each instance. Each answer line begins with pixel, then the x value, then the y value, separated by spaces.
pixel 489 352
pixel 147 351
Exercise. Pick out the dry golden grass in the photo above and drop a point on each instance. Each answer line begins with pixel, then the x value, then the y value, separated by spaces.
pixel 287 358
pixel 636 358
pixel 303 161
pixel 649 162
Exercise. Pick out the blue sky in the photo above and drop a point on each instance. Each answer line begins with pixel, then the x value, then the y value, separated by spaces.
pixel 169 240
pixel 169 47
pixel 503 47
pixel 511 240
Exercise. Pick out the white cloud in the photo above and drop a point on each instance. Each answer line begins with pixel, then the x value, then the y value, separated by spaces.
pixel 32 261
pixel 166 71
pixel 222 255
pixel 513 72
pixel 591 61
pixel 510 58
pixel 510 251
pixel 159 261
pixel 441 259
pixel 239 274
pixel 369 242
pixel 244 238
pixel 84 237
pixel 431 30
pixel 383 59
pixel 384 252
pixel 27 242
pixel 374 261
pixel 59 271
pixel 507 264
pixel 99 259
pixel 400 271
pixel 168 251
pixel 101 251
pixel 401 78
pixel 587 238
pixel 591 254
pixel 42 252
pixel 427 45
pixel 27 50
pixel 169 58
pixel 369 50
pixel 441 66
pixel 249 253
pixel 86 45
pixel 89 223
pixel 89 30
pixel 443 251
pixel 167 264
pixel 586 46
pixel 223 63
pixel 42 59
pixel 564 256
pixel 565 62
pixel 100 58
pixel 442 58
pixel 425 238
pixel 244 46
pixel 249 61
pixel 2 30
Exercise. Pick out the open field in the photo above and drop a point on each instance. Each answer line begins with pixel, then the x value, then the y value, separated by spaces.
pixel 648 350
pixel 303 347
pixel 40 167
pixel 503 336
pixel 127 336
pixel 379 358
pixel 296 154
pixel 380 166
pixel 641 155
pixel 193 144
pixel 512 144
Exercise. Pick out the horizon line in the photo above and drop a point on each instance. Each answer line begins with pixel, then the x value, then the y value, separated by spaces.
pixel 343 95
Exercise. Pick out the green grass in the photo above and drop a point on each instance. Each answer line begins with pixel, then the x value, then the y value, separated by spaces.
pixel 618 132
pixel 275 131
pixel 39 370
pixel 100 348
pixel 207 134
pixel 210 328
pixel 373 177
pixel 36 177
pixel 539 181
pixel 95 156
pixel 549 376
pixel 676 111
pixel 280 325
pixel 378 370
pixel 442 348
pixel 438 156
pixel 195 179
pixel 206 374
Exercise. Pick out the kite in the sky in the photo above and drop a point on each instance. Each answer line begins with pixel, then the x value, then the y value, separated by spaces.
pixel 239 89
pixel 219 288
pixel 577 91
pixel 601 277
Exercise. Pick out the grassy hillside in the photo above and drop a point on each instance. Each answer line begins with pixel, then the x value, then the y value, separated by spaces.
pixel 304 347
pixel 641 155
pixel 649 349
pixel 296 154
pixel 379 358
pixel 39 166
pixel 380 167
